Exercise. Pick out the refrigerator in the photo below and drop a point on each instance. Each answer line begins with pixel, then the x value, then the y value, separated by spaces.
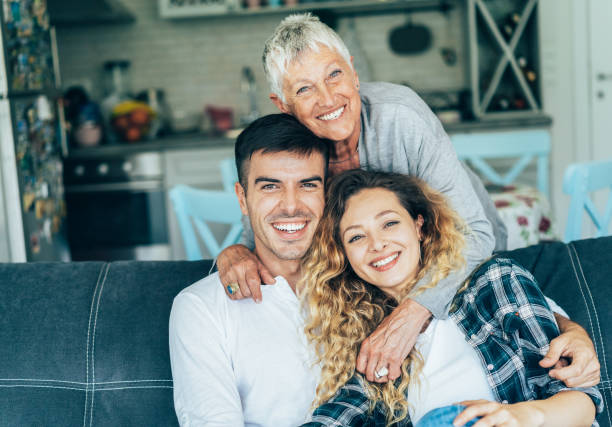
pixel 32 140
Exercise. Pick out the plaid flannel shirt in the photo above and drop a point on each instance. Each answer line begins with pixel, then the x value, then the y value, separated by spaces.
pixel 506 319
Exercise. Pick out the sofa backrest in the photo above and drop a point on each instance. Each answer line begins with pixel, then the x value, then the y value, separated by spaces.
pixel 87 343
pixel 578 276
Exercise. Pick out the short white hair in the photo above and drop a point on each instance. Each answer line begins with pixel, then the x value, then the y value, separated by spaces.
pixel 295 35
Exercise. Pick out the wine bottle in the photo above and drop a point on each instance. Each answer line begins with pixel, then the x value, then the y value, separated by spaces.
pixel 510 23
pixel 528 72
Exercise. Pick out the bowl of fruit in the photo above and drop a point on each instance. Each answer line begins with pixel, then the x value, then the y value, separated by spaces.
pixel 131 120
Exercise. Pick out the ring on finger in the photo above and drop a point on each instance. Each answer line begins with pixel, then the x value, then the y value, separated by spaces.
pixel 382 372
pixel 232 288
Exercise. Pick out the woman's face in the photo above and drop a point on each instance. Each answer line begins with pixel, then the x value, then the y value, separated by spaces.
pixel 381 239
pixel 321 91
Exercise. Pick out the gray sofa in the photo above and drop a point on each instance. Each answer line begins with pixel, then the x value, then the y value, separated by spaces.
pixel 87 343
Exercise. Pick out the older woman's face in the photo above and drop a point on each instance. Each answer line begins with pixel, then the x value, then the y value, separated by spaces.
pixel 381 239
pixel 321 91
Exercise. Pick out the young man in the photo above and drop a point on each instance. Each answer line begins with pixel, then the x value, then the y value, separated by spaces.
pixel 241 363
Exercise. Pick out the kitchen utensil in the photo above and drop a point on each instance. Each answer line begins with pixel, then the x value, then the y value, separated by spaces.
pixel 249 89
pixel 156 99
pixel 410 39
pixel 222 117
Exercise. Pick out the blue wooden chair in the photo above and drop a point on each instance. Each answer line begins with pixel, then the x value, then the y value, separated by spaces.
pixel 229 175
pixel 199 207
pixel 581 179
pixel 524 145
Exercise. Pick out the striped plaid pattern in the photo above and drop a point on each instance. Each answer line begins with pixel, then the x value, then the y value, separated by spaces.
pixel 506 319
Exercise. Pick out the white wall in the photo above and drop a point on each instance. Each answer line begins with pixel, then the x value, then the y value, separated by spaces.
pixel 563 56
pixel 566 55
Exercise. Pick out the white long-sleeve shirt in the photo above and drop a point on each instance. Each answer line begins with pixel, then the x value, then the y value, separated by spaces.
pixel 239 363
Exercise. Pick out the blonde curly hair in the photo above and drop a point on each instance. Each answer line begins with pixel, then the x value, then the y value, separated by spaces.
pixel 343 310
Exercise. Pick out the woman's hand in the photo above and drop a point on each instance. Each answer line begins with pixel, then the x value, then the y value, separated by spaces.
pixel 392 341
pixel 523 414
pixel 241 271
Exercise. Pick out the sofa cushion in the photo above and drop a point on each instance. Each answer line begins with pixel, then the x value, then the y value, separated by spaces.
pixel 87 343
pixel 578 276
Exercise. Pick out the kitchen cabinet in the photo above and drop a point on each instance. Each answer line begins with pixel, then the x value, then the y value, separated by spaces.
pixel 197 168
pixel 217 8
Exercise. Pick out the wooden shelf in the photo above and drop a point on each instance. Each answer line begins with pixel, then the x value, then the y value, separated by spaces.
pixel 495 69
pixel 345 8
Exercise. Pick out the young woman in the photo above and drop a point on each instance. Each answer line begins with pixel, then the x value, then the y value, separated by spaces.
pixel 380 234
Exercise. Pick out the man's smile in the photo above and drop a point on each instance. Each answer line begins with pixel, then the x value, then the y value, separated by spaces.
pixel 290 230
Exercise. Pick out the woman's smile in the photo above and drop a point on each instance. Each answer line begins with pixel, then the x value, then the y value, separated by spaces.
pixel 385 263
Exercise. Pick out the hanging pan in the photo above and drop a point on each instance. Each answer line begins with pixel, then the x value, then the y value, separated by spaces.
pixel 410 39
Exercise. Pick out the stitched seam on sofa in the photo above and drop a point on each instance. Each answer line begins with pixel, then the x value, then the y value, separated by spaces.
pixel 87 343
pixel 603 350
pixel 42 386
pixel 580 287
pixel 166 387
pixel 587 307
pixel 103 269
pixel 9 380
pixel 93 347
pixel 141 387
pixel 588 288
pixel 41 383
pixel 78 382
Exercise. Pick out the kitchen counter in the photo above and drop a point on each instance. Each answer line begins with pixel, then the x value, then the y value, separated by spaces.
pixel 202 141
pixel 498 124
pixel 185 141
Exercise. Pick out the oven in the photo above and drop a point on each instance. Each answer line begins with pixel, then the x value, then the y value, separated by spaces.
pixel 116 208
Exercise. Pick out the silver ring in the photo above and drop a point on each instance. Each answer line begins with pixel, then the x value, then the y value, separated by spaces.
pixel 382 372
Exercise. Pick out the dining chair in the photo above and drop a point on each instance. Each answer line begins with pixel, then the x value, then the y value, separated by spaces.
pixel 579 180
pixel 526 146
pixel 196 208
pixel 229 175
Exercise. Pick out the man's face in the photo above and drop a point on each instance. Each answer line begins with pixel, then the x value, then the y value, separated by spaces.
pixel 321 91
pixel 284 201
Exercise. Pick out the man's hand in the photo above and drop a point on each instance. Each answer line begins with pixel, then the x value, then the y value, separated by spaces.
pixel 392 341
pixel 523 414
pixel 238 265
pixel 573 344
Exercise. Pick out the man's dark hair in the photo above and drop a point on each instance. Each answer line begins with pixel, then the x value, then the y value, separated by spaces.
pixel 275 133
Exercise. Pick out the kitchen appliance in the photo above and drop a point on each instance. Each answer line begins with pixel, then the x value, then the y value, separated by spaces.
pixel 249 90
pixel 116 207
pixel 32 141
pixel 117 86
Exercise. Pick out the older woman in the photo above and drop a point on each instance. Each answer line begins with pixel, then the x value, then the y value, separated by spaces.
pixel 385 127
pixel 380 235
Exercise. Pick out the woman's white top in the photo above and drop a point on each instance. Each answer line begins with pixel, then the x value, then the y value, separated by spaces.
pixel 452 371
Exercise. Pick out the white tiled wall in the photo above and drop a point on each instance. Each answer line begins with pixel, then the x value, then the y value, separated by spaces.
pixel 198 61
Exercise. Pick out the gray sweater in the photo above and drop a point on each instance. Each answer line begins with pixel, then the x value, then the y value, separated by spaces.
pixel 400 133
